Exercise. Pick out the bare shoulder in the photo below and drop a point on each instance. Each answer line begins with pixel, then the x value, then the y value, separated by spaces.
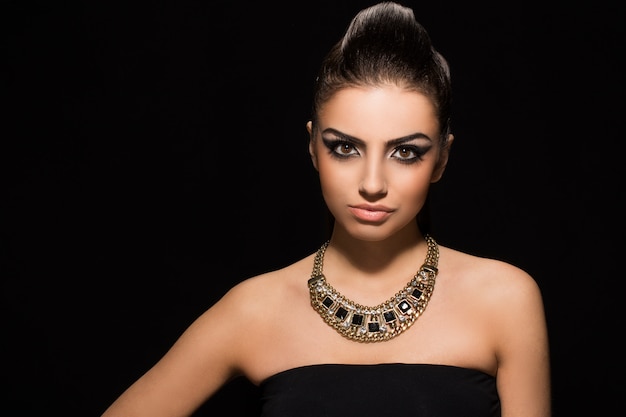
pixel 259 295
pixel 502 305
pixel 243 317
pixel 501 300
pixel 490 280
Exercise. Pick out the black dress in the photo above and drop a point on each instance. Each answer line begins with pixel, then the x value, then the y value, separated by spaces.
pixel 395 390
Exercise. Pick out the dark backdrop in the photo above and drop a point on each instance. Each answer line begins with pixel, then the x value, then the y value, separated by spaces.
pixel 155 155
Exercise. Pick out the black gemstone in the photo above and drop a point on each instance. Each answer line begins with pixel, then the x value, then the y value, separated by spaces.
pixel 327 302
pixel 404 306
pixel 357 319
pixel 430 268
pixel 389 316
pixel 373 327
pixel 416 293
pixel 341 313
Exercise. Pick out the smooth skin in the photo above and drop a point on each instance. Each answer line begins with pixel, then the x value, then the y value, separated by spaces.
pixel 377 151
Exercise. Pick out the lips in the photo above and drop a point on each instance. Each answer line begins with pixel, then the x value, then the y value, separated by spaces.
pixel 370 213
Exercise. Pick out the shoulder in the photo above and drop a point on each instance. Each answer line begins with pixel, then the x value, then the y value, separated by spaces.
pixel 249 309
pixel 258 296
pixel 504 294
pixel 505 305
pixel 499 290
pixel 495 276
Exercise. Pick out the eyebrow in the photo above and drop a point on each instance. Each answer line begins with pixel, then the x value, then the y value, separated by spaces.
pixel 391 142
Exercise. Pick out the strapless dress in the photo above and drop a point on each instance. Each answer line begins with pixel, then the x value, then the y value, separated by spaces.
pixel 381 390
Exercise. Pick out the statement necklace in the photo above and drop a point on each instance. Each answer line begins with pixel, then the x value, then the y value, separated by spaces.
pixel 384 321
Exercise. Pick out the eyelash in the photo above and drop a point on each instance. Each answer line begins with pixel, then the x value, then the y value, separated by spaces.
pixel 334 146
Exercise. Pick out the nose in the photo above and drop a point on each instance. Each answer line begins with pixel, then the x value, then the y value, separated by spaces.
pixel 373 181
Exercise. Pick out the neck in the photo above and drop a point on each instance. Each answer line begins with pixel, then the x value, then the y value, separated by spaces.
pixel 406 247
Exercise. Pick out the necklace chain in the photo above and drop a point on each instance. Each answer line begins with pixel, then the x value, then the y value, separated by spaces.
pixel 384 321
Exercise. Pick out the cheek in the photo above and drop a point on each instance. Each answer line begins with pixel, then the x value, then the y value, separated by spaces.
pixel 333 179
pixel 411 186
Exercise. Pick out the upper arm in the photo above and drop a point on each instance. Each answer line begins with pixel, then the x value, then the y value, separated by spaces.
pixel 202 359
pixel 523 374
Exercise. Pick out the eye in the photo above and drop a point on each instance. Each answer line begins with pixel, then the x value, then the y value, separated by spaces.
pixel 345 148
pixel 341 148
pixel 408 154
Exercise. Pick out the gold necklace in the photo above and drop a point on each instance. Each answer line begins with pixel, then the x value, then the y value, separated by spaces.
pixel 384 321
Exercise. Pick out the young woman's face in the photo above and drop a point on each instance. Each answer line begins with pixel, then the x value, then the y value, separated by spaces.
pixel 377 151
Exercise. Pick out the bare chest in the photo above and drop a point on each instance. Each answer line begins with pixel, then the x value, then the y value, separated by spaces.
pixel 445 333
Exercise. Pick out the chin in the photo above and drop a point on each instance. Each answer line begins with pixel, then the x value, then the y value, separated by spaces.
pixel 371 233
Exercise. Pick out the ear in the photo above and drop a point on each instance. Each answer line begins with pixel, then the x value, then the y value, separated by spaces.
pixel 309 128
pixel 443 160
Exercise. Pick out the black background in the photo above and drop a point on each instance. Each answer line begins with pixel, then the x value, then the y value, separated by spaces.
pixel 155 155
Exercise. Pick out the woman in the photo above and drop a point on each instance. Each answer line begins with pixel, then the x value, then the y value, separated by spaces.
pixel 381 319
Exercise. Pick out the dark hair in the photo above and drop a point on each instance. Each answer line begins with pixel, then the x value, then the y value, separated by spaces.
pixel 385 44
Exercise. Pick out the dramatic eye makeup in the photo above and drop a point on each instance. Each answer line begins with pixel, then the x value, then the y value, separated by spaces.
pixel 409 153
pixel 341 148
pixel 404 149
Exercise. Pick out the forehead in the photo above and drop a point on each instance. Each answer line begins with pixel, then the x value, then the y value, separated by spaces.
pixel 383 111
